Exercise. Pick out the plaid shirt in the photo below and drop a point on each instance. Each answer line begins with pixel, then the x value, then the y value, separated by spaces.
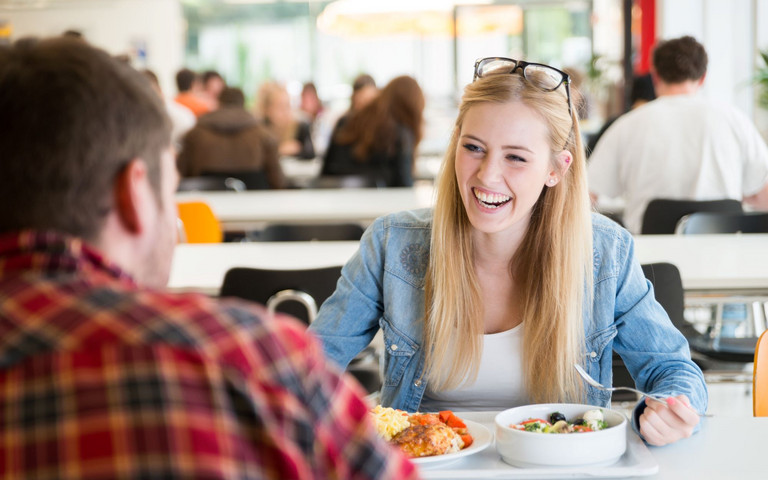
pixel 102 379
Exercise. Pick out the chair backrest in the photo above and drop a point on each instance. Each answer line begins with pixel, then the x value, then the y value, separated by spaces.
pixel 709 222
pixel 309 232
pixel 668 290
pixel 211 184
pixel 760 377
pixel 661 215
pixel 199 224
pixel 259 285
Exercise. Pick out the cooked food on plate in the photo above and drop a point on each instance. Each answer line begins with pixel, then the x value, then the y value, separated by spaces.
pixel 422 434
pixel 590 421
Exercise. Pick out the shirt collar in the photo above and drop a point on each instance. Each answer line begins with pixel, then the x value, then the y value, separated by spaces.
pixel 48 251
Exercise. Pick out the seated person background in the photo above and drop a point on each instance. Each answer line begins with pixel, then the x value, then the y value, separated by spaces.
pixel 380 140
pixel 190 92
pixel 680 146
pixel 273 108
pixel 231 141
pixel 103 374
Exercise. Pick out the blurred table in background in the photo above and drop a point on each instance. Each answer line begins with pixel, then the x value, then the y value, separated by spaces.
pixel 253 209
pixel 707 263
pixel 201 267
pixel 729 263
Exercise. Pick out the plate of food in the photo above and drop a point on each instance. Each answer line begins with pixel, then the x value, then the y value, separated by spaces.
pixel 431 439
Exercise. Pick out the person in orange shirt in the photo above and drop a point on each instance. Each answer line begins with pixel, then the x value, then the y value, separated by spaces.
pixel 190 86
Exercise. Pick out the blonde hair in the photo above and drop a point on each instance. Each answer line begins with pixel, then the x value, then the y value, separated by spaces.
pixel 265 97
pixel 553 262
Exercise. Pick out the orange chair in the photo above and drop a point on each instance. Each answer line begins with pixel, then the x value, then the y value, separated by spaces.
pixel 198 223
pixel 760 377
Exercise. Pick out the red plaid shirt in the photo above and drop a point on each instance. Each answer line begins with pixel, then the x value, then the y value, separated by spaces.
pixel 102 379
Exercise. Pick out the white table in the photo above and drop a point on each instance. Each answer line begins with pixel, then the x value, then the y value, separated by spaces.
pixel 725 448
pixel 707 263
pixel 253 209
pixel 732 262
pixel 201 267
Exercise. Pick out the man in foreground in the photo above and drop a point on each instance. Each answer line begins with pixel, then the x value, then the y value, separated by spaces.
pixel 680 145
pixel 102 374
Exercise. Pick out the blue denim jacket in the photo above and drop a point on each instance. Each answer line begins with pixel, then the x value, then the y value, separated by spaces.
pixel 382 286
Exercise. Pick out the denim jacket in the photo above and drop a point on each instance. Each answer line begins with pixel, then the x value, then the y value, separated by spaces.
pixel 382 287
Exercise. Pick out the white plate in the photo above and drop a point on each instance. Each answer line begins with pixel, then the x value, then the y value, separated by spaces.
pixel 482 437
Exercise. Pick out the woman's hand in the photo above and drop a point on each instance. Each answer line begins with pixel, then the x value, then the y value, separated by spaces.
pixel 662 424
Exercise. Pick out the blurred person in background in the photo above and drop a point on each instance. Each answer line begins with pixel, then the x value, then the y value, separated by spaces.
pixel 680 145
pixel 363 91
pixel 213 84
pixel 380 140
pixel 182 118
pixel 293 135
pixel 641 93
pixel 231 142
pixel 103 373
pixel 190 95
pixel 311 105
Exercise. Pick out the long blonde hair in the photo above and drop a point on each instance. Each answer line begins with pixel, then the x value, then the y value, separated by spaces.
pixel 553 264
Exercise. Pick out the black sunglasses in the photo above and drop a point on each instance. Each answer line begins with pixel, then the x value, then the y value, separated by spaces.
pixel 542 76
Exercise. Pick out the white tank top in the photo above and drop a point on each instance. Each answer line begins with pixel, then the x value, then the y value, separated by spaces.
pixel 499 383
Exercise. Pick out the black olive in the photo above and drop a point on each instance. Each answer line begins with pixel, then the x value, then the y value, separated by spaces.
pixel 556 417
pixel 578 421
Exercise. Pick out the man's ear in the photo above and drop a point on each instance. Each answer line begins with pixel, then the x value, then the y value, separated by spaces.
pixel 131 186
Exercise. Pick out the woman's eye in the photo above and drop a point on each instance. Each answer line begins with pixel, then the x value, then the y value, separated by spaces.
pixel 515 158
pixel 472 148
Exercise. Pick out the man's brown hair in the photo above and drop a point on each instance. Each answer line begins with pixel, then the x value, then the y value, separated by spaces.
pixel 72 118
pixel 680 59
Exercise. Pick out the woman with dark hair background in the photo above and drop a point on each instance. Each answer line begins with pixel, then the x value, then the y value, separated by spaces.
pixel 380 140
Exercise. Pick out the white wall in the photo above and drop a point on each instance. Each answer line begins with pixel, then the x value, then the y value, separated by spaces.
pixel 118 26
pixel 726 28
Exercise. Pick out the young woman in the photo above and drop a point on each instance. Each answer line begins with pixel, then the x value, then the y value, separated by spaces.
pixel 487 301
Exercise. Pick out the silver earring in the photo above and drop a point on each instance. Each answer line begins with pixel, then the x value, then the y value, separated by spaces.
pixel 551 181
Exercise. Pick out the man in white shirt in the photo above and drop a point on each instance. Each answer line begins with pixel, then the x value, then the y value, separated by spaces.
pixel 679 146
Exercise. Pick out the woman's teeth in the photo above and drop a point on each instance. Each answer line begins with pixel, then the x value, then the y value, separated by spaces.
pixel 491 200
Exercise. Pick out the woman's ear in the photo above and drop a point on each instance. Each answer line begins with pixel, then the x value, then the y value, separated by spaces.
pixel 563 160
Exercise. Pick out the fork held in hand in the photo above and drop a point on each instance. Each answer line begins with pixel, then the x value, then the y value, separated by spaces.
pixel 600 386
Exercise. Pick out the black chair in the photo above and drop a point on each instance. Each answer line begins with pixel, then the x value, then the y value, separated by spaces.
pixel 211 184
pixel 708 222
pixel 662 215
pixel 705 347
pixel 309 232
pixel 299 293
pixel 261 285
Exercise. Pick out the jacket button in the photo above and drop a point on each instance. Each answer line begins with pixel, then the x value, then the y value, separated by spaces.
pixel 593 354
pixel 417 383
pixel 393 347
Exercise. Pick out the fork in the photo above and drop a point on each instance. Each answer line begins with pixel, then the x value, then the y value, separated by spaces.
pixel 600 386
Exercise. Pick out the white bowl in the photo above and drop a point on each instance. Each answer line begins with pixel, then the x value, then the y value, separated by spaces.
pixel 532 449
